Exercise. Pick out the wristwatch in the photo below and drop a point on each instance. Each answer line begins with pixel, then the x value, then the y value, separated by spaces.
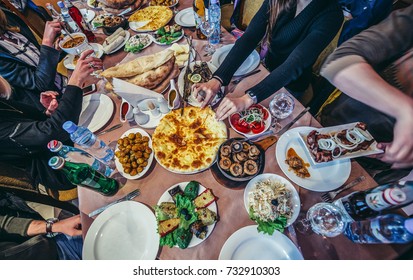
pixel 49 226
pixel 252 95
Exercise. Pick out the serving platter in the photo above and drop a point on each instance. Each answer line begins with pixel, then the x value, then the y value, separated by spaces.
pixel 185 17
pixel 126 38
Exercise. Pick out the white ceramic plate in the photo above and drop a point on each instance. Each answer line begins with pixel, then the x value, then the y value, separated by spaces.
pixel 97 110
pixel 185 17
pixel 68 60
pixel 252 61
pixel 295 199
pixel 248 244
pixel 166 197
pixel 267 124
pixel 87 14
pixel 323 177
pixel 192 100
pixel 153 121
pixel 372 149
pixel 124 231
pixel 151 39
pixel 121 45
pixel 119 166
pixel 165 44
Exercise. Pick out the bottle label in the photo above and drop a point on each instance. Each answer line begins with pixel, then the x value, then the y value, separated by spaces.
pixel 375 230
pixel 384 199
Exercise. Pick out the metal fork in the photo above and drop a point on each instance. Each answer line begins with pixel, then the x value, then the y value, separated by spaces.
pixel 329 196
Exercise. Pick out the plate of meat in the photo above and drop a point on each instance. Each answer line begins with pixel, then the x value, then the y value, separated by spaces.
pixel 295 161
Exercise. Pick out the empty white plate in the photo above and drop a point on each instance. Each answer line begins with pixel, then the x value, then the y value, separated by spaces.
pixel 252 61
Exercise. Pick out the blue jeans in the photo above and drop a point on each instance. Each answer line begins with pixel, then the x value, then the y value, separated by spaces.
pixel 69 247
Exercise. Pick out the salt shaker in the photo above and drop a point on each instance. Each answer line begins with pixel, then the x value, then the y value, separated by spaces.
pixel 163 105
pixel 140 118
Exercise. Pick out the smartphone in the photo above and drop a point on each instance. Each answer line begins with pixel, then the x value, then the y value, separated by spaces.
pixel 89 89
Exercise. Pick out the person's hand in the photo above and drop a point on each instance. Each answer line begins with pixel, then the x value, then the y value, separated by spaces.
pixel 205 92
pixel 70 226
pixel 48 100
pixel 400 151
pixel 230 105
pixel 51 31
pixel 84 67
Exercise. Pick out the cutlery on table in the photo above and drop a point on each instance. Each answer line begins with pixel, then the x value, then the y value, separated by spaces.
pixel 329 196
pixel 281 131
pixel 125 11
pixel 129 196
pixel 239 79
pixel 116 126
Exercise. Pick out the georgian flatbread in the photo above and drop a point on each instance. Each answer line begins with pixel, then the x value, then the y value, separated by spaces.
pixel 188 143
pixel 117 4
pixel 154 77
pixel 157 16
pixel 139 65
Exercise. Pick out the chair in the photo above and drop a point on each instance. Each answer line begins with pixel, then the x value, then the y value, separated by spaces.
pixel 248 9
pixel 17 181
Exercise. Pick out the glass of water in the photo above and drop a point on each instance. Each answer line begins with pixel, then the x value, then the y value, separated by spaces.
pixel 281 106
pixel 326 219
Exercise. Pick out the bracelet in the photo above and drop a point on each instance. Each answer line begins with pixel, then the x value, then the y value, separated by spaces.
pixel 218 79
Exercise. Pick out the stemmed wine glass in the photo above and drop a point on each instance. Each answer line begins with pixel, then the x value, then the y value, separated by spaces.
pixel 207 28
pixel 325 219
pixel 281 106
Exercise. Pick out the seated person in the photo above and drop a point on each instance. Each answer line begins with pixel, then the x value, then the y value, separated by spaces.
pixel 375 71
pixel 297 32
pixel 22 233
pixel 25 132
pixel 29 68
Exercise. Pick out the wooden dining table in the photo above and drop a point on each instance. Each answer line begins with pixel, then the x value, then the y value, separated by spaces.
pixel 230 202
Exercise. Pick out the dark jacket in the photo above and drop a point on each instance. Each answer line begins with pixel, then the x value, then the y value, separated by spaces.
pixel 25 132
pixel 28 81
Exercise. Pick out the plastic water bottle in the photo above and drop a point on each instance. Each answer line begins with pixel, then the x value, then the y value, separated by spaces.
pixel 88 141
pixel 67 18
pixel 390 228
pixel 83 175
pixel 73 154
pixel 214 16
pixel 53 12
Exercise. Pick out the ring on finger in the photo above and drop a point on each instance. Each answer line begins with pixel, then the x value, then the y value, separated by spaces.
pixel 91 65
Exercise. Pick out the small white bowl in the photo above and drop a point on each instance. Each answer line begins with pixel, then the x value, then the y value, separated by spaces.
pixel 73 49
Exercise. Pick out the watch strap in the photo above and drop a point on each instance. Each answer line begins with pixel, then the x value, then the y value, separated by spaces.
pixel 252 95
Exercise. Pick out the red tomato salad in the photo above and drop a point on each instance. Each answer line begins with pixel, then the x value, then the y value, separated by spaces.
pixel 255 120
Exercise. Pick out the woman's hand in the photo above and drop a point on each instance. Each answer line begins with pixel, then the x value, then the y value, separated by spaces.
pixel 48 100
pixel 230 105
pixel 205 92
pixel 51 31
pixel 70 226
pixel 84 67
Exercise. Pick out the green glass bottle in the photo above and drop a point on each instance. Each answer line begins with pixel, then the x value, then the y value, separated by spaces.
pixel 84 175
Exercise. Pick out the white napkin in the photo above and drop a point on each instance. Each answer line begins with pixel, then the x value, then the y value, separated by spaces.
pixel 132 93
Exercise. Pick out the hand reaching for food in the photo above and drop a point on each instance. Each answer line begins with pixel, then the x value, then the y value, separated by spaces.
pixel 210 89
pixel 230 105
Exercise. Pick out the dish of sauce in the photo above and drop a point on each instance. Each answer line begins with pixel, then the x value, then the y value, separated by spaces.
pixel 297 164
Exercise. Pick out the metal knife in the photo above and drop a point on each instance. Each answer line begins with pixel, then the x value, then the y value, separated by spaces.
pixel 281 131
pixel 129 196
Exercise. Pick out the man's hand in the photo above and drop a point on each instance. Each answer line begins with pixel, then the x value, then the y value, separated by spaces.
pixel 48 100
pixel 51 31
pixel 70 226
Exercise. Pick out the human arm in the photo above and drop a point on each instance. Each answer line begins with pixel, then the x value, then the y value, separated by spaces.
pixel 70 226
pixel 353 69
pixel 34 135
pixel 48 100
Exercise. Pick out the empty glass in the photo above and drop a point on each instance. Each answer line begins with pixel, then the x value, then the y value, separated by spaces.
pixel 323 218
pixel 281 106
pixel 83 48
pixel 207 28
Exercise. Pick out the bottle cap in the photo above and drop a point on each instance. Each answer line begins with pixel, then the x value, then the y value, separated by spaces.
pixel 56 162
pixel 408 224
pixel 69 126
pixel 54 146
pixel 60 4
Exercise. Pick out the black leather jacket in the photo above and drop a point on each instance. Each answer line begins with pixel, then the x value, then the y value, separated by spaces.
pixel 25 132
pixel 28 81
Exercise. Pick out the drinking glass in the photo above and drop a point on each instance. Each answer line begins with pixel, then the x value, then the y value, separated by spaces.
pixel 83 48
pixel 325 219
pixel 281 106
pixel 207 28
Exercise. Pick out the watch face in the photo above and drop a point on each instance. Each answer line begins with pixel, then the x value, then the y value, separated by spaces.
pixel 49 226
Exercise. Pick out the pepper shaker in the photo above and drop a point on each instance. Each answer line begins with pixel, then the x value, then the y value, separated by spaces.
pixel 163 105
pixel 140 118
